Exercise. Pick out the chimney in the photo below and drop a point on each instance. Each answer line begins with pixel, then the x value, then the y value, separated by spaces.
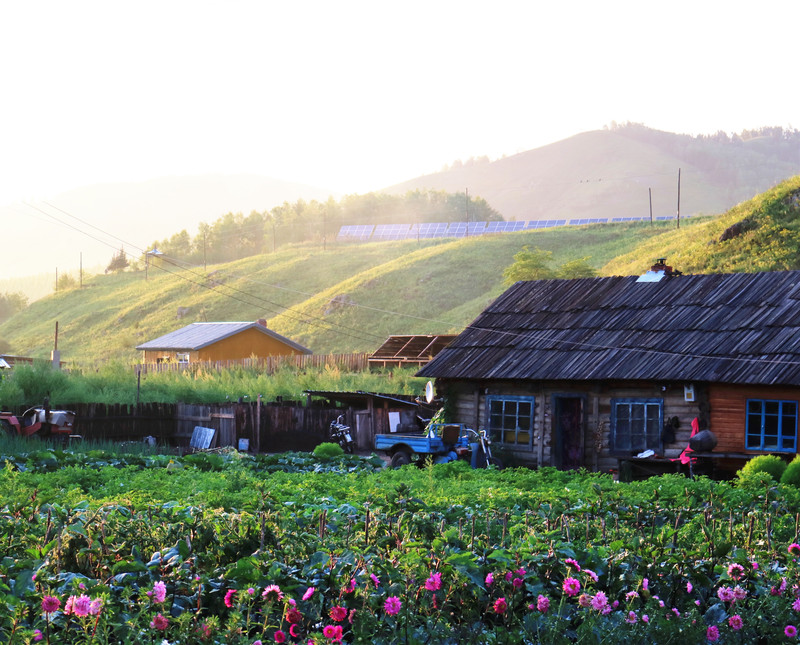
pixel 658 271
pixel 262 322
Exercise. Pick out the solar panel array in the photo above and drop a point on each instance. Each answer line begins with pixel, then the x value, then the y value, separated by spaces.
pixel 429 230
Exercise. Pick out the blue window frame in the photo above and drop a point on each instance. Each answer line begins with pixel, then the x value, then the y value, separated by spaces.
pixel 510 420
pixel 771 425
pixel 636 425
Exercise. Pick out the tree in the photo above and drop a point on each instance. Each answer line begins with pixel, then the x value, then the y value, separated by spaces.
pixel 579 268
pixel 66 282
pixel 119 262
pixel 529 265
pixel 11 303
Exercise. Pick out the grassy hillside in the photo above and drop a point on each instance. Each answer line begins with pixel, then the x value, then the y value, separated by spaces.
pixel 348 297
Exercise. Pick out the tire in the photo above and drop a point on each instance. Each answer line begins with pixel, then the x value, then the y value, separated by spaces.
pixel 400 458
pixel 497 463
pixel 7 429
pixel 348 447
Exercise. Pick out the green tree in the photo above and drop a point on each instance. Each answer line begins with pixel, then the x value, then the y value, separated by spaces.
pixel 529 265
pixel 66 282
pixel 11 303
pixel 579 268
pixel 119 262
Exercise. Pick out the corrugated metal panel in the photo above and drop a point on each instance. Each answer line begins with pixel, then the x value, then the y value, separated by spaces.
pixel 733 328
pixel 201 334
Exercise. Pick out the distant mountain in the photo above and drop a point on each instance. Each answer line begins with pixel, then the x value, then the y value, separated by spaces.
pixel 607 173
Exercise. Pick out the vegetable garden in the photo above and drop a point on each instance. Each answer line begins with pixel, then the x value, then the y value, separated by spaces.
pixel 101 546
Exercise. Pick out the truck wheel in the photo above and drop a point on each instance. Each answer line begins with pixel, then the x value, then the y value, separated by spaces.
pixel 400 458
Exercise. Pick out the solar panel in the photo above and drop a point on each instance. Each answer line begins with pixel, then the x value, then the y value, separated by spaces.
pixel 391 232
pixel 361 232
pixel 664 218
pixel 457 229
pixel 433 229
pixel 476 228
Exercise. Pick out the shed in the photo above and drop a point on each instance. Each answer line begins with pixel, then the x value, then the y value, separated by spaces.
pixel 585 372
pixel 219 341
pixel 409 350
pixel 371 413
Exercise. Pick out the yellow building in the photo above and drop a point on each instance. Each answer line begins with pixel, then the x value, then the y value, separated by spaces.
pixel 219 341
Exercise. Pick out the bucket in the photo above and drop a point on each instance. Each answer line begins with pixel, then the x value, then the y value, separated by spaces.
pixel 244 445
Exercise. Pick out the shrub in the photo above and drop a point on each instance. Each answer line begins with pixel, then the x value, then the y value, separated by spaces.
pixel 328 450
pixel 792 473
pixel 771 464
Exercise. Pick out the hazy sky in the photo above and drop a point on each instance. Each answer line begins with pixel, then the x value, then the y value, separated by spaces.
pixel 354 96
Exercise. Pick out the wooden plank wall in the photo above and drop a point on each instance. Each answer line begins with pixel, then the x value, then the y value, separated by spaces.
pixel 269 427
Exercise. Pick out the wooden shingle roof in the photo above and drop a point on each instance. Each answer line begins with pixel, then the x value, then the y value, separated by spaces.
pixel 728 328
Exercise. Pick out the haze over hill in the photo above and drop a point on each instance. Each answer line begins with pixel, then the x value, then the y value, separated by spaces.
pixel 349 297
pixel 604 173
pixel 613 172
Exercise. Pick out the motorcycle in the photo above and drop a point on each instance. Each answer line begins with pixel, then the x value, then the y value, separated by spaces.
pixel 482 452
pixel 340 433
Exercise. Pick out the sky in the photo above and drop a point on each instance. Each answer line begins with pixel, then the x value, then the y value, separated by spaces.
pixel 353 96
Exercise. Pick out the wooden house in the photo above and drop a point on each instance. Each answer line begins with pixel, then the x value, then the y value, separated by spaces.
pixel 219 341
pixel 586 372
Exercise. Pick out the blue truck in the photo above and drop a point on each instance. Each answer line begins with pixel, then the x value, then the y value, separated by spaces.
pixel 439 442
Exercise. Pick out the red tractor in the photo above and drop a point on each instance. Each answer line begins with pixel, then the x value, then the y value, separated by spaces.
pixel 43 422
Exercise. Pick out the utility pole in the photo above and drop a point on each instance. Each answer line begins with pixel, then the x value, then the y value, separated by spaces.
pixel 80 272
pixel 56 287
pixel 650 192
pixel 679 198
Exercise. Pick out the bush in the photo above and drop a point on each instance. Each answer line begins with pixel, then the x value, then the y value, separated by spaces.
pixel 792 473
pixel 771 464
pixel 328 450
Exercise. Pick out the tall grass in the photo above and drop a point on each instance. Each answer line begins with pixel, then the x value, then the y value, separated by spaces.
pixel 118 383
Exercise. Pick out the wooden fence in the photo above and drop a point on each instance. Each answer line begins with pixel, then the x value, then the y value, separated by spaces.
pixel 269 364
pixel 266 427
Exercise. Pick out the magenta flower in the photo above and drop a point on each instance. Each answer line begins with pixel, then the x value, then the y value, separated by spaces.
pixel 159 592
pixel 542 603
pixel 334 632
pixel 37 635
pixel 572 563
pixel 392 605
pixel 712 634
pixel 631 619
pixel 689 587
pixel 50 604
pixel 351 587
pixel 376 581
pixel 338 613
pixel 794 548
pixel 599 601
pixel 796 604
pixel 293 630
pixel 500 606
pixel 645 583
pixel 725 594
pixel 81 605
pixel 571 586
pixel 434 582
pixel 272 593
pixel 309 592
pixel 631 596
pixel 489 579
pixel 735 571
pixel 159 622
pixel 96 606
pixel 735 622
pixel 229 597
pixel 591 574
pixel 279 637
pixel 739 593
pixel 790 631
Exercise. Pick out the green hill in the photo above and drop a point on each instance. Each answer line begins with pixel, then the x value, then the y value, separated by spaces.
pixel 350 297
